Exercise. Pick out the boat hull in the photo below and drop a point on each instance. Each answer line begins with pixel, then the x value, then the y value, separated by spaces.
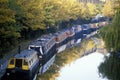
pixel 61 48
pixel 46 66
pixel 16 73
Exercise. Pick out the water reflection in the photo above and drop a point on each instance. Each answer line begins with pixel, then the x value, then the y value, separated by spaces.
pixel 66 58
pixel 85 68
pixel 61 60
pixel 110 68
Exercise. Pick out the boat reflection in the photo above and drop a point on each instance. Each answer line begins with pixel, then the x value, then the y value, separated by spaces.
pixel 85 68
pixel 62 59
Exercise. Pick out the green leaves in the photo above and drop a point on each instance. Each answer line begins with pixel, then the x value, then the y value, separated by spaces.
pixel 111 37
pixel 6 14
pixel 111 33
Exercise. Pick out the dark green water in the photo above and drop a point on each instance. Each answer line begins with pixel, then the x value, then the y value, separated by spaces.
pixel 110 68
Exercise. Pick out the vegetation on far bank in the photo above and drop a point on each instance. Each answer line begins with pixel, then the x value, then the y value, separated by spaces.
pixel 111 33
pixel 110 67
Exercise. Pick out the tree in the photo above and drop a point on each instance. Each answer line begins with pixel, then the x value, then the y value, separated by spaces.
pixel 111 35
pixel 33 15
pixel 108 9
pixel 8 33
pixel 88 10
pixel 92 9
pixel 6 15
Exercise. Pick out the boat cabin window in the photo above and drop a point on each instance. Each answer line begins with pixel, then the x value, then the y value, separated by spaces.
pixel 25 62
pixel 12 61
pixel 30 62
pixel 37 49
pixel 18 63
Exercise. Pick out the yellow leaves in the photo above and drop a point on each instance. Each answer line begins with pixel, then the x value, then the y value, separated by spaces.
pixel 40 26
pixel 49 12
pixel 68 9
pixel 3 1
pixel 29 15
pixel 9 32
pixel 6 14
pixel 33 12
pixel 6 20
pixel 12 34
pixel 108 9
pixel 91 9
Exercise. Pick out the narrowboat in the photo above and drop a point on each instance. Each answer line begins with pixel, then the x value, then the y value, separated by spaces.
pixel 45 46
pixel 78 34
pixel 70 39
pixel 61 40
pixel 85 30
pixel 94 26
pixel 23 66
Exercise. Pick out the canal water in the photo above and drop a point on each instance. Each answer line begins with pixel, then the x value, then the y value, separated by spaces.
pixel 85 68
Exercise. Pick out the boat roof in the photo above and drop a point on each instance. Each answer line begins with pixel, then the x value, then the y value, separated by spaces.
pixel 60 32
pixel 84 26
pixel 25 54
pixel 42 41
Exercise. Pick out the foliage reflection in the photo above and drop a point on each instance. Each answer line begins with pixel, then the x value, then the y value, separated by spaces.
pixel 110 68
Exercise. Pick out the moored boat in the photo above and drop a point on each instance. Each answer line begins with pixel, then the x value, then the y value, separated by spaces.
pixel 61 41
pixel 78 34
pixel 23 66
pixel 46 48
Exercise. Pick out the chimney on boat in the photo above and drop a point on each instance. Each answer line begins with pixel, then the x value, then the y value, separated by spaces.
pixel 19 49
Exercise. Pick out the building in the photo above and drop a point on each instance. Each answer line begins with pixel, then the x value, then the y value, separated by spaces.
pixel 92 1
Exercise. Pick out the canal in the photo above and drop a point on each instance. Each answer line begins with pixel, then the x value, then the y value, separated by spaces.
pixel 85 68
pixel 76 64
